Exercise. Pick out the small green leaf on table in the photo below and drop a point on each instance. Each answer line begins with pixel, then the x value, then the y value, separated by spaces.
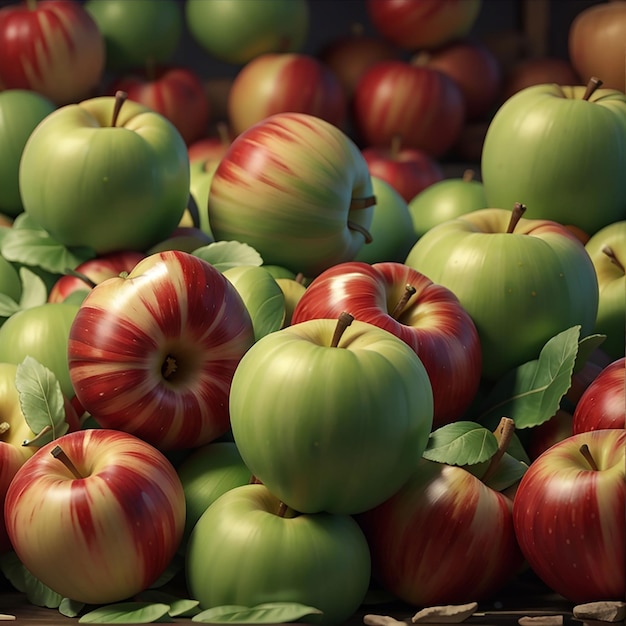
pixel 267 613
pixel 126 613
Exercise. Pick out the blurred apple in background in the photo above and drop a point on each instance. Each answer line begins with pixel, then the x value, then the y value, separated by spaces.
pixel 200 179
pixel 236 31
pixel 53 47
pixel 212 146
pixel 279 82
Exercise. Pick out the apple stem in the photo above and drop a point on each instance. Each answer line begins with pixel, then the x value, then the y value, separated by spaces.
pixel 468 175
pixel 361 203
pixel 395 147
pixel 343 321
pixel 223 133
pixel 593 84
pixel 421 58
pixel 38 437
pixel 584 450
pixel 70 272
pixel 254 480
pixel 516 214
pixel 361 229
pixel 58 453
pixel 299 278
pixel 409 290
pixel 611 254
pixel 120 98
pixel 504 434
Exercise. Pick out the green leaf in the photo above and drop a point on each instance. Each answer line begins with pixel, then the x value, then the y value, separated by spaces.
pixel 174 567
pixel 35 591
pixel 34 290
pixel 126 613
pixel 13 570
pixel 225 254
pixel 508 471
pixel 268 613
pixel 461 443
pixel 179 607
pixel 8 306
pixel 586 346
pixel 41 399
pixel 531 393
pixel 70 608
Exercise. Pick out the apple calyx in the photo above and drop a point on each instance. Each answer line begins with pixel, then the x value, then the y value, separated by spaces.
pixel 504 434
pixel 58 453
pixel 611 254
pixel 584 450
pixel 409 290
pixel 468 175
pixel 343 321
pixel 593 84
pixel 38 437
pixel 120 98
pixel 516 215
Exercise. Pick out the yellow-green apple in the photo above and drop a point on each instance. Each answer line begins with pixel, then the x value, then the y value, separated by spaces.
pixel 20 111
pixel 568 514
pixel 559 150
pixel 445 200
pixel 52 47
pixel 200 178
pixel 153 352
pixel 137 33
pixel 426 316
pixel 416 24
pixel 96 496
pixel 603 403
pixel 317 560
pixel 521 280
pixel 422 106
pixel 296 189
pixel 298 440
pixel 607 249
pixel 293 289
pixel 116 175
pixel 276 82
pixel 237 31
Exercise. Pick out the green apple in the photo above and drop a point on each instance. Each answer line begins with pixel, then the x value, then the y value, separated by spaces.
pixel 292 290
pixel 521 280
pixel 107 174
pixel 20 112
pixel 200 177
pixel 446 199
pixel 247 550
pixel 561 151
pixel 607 249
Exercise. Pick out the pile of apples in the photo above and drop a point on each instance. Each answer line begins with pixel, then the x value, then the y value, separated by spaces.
pixel 255 375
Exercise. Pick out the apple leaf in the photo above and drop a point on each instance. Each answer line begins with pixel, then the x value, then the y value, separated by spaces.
pixel 70 608
pixel 8 306
pixel 531 393
pixel 126 613
pixel 586 346
pixel 41 400
pixel 225 254
pixel 179 607
pixel 34 290
pixel 35 591
pixel 268 613
pixel 461 443
pixel 29 244
pixel 509 471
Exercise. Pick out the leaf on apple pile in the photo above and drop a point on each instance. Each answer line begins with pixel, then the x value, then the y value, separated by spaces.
pixel 586 346
pixel 70 608
pixel 461 443
pixel 179 607
pixel 126 613
pixel 268 613
pixel 225 254
pixel 34 293
pixel 41 400
pixel 29 244
pixel 509 471
pixel 531 393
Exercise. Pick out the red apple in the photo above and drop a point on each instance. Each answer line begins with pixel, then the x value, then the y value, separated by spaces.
pixel 544 436
pixel 423 106
pixel 426 316
pixel 212 147
pixel 53 47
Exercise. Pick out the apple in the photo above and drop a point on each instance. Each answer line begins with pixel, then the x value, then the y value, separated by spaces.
pixel 276 82
pixel 299 440
pixel 52 47
pixel 607 249
pixel 568 515
pixel 603 403
pixel 445 200
pixel 422 106
pixel 426 316
pixel 175 92
pixel 74 504
pixel 296 189
pixel 137 33
pixel 212 147
pixel 407 170
pixel 416 24
pixel 116 175
pixel 521 280
pixel 559 150
pixel 201 174
pixel 153 352
pixel 237 31
pixel 550 432
pixel 293 289
pixel 185 238
pixel 20 111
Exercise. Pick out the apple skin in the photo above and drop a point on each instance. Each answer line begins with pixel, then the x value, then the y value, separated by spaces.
pixel 109 189
pixel 320 560
pixel 54 518
pixel 237 31
pixel 433 323
pixel 569 155
pixel 569 518
pixel 472 554
pixel 296 189
pixel 286 81
pixel 55 49
pixel 153 353
pixel 603 403
pixel 540 282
